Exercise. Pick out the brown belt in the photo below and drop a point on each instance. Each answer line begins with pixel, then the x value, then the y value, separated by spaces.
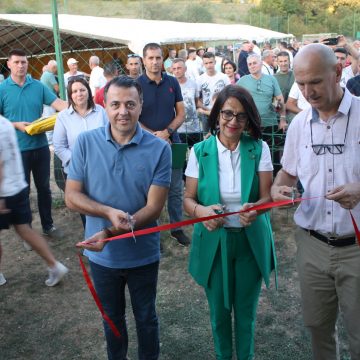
pixel 333 241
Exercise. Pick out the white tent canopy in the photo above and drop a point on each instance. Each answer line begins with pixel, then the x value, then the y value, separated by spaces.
pixel 135 33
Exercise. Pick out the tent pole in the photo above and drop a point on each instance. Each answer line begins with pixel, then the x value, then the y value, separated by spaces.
pixel 57 42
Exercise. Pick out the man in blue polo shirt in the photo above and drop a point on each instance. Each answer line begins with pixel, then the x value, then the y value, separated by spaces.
pixel 107 186
pixel 21 101
pixel 162 114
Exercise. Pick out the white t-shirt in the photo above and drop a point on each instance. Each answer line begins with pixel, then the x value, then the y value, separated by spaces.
pixel 208 86
pixel 192 123
pixel 296 94
pixel 13 179
pixel 192 69
pixel 229 176
pixel 267 69
pixel 68 75
pixel 97 79
pixel 346 75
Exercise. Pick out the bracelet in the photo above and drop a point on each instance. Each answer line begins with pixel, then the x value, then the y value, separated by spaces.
pixel 282 116
pixel 196 205
pixel 108 232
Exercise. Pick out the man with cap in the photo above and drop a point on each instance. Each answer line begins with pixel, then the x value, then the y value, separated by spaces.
pixel 73 71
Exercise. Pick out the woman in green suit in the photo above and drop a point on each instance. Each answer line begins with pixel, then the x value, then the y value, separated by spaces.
pixel 231 170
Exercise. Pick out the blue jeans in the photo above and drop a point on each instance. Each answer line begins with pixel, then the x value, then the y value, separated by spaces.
pixel 37 162
pixel 110 286
pixel 175 197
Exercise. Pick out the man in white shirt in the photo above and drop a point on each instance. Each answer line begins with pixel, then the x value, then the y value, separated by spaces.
pixel 190 130
pixel 193 69
pixel 73 71
pixel 97 78
pixel 296 101
pixel 268 59
pixel 15 205
pixel 209 85
pixel 322 151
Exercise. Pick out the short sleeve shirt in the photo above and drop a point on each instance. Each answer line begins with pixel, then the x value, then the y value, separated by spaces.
pixel 210 86
pixel 159 102
pixel 25 103
pixel 13 180
pixel 119 177
pixel 263 91
pixel 319 174
pixel 49 80
pixel 189 92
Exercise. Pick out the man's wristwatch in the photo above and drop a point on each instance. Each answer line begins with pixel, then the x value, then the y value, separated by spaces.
pixel 170 131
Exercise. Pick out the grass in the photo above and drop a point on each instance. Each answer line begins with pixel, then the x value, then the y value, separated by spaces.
pixel 40 323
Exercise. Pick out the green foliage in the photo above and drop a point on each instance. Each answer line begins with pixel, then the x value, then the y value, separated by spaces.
pixel 306 17
pixel 197 13
pixel 181 12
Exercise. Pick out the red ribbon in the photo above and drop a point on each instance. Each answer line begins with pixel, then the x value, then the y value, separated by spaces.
pixel 261 207
pixel 357 232
pixel 97 300
pixel 265 206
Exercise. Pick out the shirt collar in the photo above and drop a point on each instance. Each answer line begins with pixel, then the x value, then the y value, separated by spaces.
pixel 149 81
pixel 343 109
pixel 139 133
pixel 71 110
pixel 28 80
pixel 221 148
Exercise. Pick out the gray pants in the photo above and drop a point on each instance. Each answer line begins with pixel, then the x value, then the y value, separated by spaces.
pixel 329 279
pixel 175 197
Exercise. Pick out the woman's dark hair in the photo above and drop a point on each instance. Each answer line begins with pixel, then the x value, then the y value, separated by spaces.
pixel 81 80
pixel 246 100
pixel 227 63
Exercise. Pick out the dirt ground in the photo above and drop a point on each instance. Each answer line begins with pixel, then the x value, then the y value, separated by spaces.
pixel 63 323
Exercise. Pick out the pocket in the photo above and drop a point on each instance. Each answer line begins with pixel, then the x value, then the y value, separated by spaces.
pixel 308 162
pixel 351 158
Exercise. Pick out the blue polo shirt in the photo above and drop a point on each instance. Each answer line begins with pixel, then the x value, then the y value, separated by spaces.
pixel 25 103
pixel 120 176
pixel 158 109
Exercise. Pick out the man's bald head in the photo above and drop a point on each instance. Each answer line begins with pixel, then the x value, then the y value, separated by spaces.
pixel 318 75
pixel 315 52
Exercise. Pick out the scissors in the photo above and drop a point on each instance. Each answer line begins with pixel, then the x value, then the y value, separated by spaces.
pixel 293 195
pixel 131 223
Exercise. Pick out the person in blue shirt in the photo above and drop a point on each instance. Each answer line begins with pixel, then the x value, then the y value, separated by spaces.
pixel 21 101
pixel 163 112
pixel 129 176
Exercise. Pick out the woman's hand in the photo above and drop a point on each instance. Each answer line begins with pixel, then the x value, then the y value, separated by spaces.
pixel 213 224
pixel 247 218
pixel 93 243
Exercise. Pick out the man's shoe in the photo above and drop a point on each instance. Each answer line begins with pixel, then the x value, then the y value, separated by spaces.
pixel 53 233
pixel 181 238
pixel 56 274
pixel 2 279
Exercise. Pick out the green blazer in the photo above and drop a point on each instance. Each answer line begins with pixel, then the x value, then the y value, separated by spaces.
pixel 205 243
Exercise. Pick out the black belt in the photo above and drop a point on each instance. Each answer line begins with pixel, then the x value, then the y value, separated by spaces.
pixel 333 241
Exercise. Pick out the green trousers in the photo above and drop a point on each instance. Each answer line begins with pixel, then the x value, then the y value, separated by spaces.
pixel 244 290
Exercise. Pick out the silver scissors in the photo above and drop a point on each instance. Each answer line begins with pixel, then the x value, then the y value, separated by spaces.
pixel 131 223
pixel 293 195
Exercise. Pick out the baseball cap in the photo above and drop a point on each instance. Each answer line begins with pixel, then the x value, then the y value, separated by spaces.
pixel 72 61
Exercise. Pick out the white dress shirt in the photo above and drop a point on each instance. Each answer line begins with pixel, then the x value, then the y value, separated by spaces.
pixel 319 174
pixel 229 176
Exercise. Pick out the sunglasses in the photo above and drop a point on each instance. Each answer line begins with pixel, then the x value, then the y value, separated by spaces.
pixel 133 56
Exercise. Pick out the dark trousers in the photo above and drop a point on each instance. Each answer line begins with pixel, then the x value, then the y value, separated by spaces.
pixel 37 162
pixel 110 286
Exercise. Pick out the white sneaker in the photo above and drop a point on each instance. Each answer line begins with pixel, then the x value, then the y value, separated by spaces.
pixel 2 279
pixel 56 274
pixel 27 246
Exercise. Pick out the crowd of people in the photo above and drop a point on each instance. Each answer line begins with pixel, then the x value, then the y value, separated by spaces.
pixel 116 137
